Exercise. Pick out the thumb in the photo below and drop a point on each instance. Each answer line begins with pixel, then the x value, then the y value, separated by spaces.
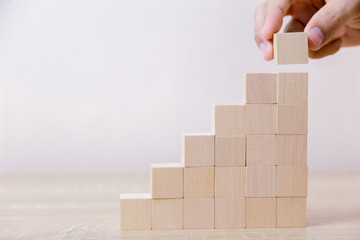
pixel 326 22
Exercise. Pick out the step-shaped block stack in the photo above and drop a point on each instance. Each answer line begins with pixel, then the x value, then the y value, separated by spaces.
pixel 249 172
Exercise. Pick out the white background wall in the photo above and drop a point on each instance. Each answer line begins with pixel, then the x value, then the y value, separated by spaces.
pixel 111 85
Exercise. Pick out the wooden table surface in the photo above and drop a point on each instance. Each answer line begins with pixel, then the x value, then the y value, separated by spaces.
pixel 86 206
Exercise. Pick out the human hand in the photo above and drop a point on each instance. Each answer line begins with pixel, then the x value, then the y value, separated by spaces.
pixel 330 24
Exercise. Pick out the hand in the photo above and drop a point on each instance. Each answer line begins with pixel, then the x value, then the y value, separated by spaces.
pixel 330 24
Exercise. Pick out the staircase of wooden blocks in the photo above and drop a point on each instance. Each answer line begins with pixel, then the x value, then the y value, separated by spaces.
pixel 250 172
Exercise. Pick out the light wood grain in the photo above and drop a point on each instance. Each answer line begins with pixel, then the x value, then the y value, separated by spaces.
pixel 229 213
pixel 261 150
pixel 229 151
pixel 261 118
pixel 135 211
pixel 228 120
pixel 293 118
pixel 291 48
pixel 292 181
pixel 199 182
pixel 292 150
pixel 198 150
pixel 292 88
pixel 260 181
pixel 43 206
pixel 167 214
pixel 291 212
pixel 259 88
pixel 167 180
pixel 199 213
pixel 230 182
pixel 260 212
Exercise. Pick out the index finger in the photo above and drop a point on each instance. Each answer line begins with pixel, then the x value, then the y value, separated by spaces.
pixel 274 14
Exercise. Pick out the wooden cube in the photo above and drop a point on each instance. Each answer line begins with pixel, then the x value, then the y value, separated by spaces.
pixel 229 151
pixel 199 213
pixel 292 181
pixel 261 181
pixel 292 88
pixel 199 182
pixel 228 120
pixel 291 212
pixel 167 180
pixel 230 182
pixel 260 212
pixel 259 88
pixel 135 211
pixel 261 119
pixel 293 118
pixel 198 150
pixel 229 213
pixel 291 48
pixel 261 150
pixel 167 213
pixel 292 150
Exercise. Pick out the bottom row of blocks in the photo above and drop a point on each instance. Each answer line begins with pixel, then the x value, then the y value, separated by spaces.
pixel 141 212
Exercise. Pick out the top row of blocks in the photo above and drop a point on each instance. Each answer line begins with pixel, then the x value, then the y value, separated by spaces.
pixel 281 88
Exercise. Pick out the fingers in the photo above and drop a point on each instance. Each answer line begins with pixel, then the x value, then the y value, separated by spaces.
pixel 264 45
pixel 335 44
pixel 301 13
pixel 329 49
pixel 275 12
pixel 259 22
pixel 271 11
pixel 259 19
pixel 327 22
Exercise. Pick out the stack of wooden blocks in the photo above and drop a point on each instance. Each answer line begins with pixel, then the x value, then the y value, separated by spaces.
pixel 250 172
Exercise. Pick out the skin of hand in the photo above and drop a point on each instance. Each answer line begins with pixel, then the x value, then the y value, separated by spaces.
pixel 330 24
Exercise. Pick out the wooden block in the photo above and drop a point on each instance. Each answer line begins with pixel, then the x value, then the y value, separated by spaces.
pixel 135 211
pixel 261 150
pixel 293 119
pixel 229 151
pixel 259 88
pixel 292 150
pixel 228 120
pixel 261 119
pixel 291 48
pixel 167 213
pixel 292 88
pixel 167 180
pixel 199 213
pixel 229 213
pixel 230 182
pixel 291 212
pixel 199 182
pixel 292 181
pixel 260 212
pixel 260 181
pixel 198 150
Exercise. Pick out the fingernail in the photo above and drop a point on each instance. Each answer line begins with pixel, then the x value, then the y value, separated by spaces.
pixel 316 36
pixel 263 48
